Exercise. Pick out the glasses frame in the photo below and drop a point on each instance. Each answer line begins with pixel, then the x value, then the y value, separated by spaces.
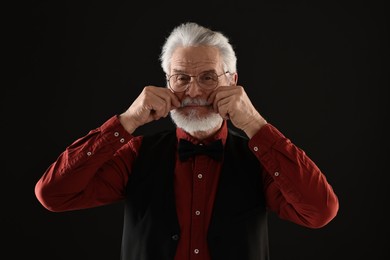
pixel 168 77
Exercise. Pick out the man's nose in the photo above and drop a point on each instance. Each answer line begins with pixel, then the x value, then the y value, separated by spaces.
pixel 193 89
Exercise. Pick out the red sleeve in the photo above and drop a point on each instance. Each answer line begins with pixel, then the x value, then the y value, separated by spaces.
pixel 295 187
pixel 90 172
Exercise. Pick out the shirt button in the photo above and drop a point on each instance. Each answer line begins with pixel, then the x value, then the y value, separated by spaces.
pixel 255 148
pixel 122 140
pixel 89 153
pixel 197 212
pixel 276 174
pixel 196 251
pixel 175 237
pixel 200 176
pixel 116 134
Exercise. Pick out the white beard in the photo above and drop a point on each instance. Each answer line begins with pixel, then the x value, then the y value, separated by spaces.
pixel 193 122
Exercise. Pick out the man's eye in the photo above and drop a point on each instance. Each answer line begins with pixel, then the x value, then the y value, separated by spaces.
pixel 208 77
pixel 182 78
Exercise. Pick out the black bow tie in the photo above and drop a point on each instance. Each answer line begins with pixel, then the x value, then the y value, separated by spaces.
pixel 187 149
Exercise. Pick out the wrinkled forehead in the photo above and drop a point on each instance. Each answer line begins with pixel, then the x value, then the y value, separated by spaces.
pixel 195 59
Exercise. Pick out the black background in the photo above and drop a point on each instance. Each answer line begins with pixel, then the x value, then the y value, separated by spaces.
pixel 318 72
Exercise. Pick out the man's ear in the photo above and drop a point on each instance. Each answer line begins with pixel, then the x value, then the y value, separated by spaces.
pixel 234 79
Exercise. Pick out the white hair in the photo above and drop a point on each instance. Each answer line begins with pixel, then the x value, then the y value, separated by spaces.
pixel 191 34
pixel 192 122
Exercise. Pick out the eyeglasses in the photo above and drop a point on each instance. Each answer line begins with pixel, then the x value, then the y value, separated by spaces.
pixel 207 80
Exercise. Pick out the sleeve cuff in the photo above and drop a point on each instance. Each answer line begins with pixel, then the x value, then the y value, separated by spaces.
pixel 265 139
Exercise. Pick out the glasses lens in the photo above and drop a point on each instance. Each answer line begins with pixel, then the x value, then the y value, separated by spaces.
pixel 208 80
pixel 179 82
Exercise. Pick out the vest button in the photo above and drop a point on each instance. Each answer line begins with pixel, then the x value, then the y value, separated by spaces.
pixel 175 237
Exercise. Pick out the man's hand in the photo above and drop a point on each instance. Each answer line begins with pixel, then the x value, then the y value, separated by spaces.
pixel 152 104
pixel 232 102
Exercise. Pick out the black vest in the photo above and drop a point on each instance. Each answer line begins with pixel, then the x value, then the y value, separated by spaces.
pixel 238 228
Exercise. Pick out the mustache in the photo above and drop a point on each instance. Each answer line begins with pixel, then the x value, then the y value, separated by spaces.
pixel 194 101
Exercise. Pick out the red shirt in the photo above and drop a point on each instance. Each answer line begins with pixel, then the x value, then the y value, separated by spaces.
pixel 93 171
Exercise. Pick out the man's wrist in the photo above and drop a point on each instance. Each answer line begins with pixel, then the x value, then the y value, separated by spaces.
pixel 127 123
pixel 255 127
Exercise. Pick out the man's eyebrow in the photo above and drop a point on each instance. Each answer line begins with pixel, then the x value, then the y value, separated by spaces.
pixel 175 71
pixel 178 71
